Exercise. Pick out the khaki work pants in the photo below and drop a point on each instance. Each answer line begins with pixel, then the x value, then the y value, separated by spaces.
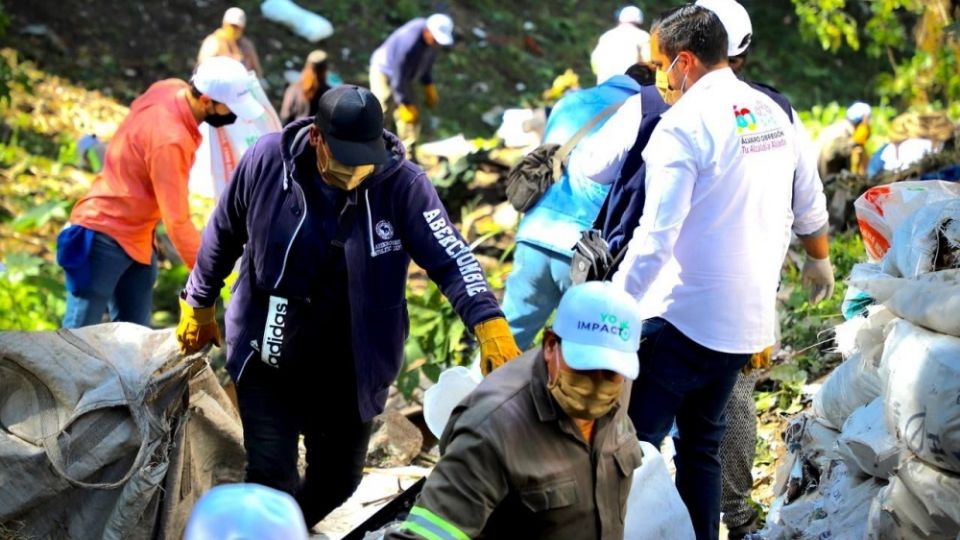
pixel 408 133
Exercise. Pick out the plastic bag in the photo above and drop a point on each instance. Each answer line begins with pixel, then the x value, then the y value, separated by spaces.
pixel 881 209
pixel 931 300
pixel 302 22
pixel 109 432
pixel 655 510
pixel 221 148
pixel 853 384
pixel 439 400
pixel 922 392
pixel 929 240
pixel 866 445
pixel 514 129
pixel 920 502
pixel 838 508
pixel 811 444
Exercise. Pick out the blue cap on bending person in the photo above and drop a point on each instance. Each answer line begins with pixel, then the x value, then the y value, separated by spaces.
pixel 246 512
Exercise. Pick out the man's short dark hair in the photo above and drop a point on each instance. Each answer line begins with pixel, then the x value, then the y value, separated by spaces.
pixel 695 29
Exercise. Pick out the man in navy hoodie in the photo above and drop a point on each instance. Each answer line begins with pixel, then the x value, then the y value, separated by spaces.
pixel 326 216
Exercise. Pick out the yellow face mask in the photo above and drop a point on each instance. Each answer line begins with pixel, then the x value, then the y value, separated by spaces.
pixel 669 95
pixel 231 32
pixel 337 174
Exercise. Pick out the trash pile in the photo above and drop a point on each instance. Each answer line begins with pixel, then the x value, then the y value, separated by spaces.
pixel 108 432
pixel 878 455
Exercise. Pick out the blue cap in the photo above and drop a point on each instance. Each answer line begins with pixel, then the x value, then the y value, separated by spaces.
pixel 599 327
pixel 246 512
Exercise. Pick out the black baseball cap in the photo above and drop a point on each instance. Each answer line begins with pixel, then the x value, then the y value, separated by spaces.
pixel 351 121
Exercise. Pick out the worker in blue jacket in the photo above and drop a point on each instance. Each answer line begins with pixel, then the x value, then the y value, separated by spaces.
pixel 548 232
pixel 404 59
pixel 325 218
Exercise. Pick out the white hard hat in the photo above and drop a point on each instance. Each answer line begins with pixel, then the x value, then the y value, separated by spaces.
pixel 735 20
pixel 235 16
pixel 630 14
pixel 441 27
pixel 857 112
pixel 226 80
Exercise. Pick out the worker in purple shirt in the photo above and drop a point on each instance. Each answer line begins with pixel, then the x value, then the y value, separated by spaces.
pixel 406 57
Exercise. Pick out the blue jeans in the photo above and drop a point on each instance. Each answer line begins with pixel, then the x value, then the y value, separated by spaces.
pixel 687 382
pixel 117 283
pixel 534 287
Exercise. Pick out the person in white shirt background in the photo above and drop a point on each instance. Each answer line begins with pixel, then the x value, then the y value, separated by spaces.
pixel 622 46
pixel 704 261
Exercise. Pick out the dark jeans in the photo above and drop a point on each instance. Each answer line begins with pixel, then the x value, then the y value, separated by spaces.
pixel 118 285
pixel 316 398
pixel 680 379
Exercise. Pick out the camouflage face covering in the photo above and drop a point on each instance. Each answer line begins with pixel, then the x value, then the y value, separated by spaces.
pixel 582 396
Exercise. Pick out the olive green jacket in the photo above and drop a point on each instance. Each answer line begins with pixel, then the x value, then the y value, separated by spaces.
pixel 514 465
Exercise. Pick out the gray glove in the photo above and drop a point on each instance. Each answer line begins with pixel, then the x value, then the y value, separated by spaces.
pixel 818 276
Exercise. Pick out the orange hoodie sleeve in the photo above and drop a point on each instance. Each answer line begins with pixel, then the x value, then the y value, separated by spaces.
pixel 170 173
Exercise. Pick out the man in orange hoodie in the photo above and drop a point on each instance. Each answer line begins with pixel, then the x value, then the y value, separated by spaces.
pixel 107 250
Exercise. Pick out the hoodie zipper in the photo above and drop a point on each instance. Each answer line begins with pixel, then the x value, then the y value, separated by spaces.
pixel 253 348
pixel 296 231
pixel 366 197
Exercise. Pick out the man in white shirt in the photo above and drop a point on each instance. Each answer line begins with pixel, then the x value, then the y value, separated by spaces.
pixel 704 262
pixel 622 46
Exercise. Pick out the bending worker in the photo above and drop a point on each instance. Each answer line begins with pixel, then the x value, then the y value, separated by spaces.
pixel 406 57
pixel 550 229
pixel 326 216
pixel 543 448
pixel 108 251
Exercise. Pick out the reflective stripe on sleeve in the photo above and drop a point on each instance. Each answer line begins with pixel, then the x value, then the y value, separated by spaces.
pixel 431 526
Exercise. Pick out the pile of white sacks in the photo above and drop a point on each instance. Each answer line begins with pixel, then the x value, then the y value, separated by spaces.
pixel 878 456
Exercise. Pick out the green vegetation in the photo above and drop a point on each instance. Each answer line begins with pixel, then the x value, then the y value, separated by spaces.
pixel 436 339
pixel 919 39
pixel 806 331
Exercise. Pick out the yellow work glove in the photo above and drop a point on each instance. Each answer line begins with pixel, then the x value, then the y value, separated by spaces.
pixel 430 95
pixel 408 113
pixel 197 327
pixel 760 360
pixel 497 346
